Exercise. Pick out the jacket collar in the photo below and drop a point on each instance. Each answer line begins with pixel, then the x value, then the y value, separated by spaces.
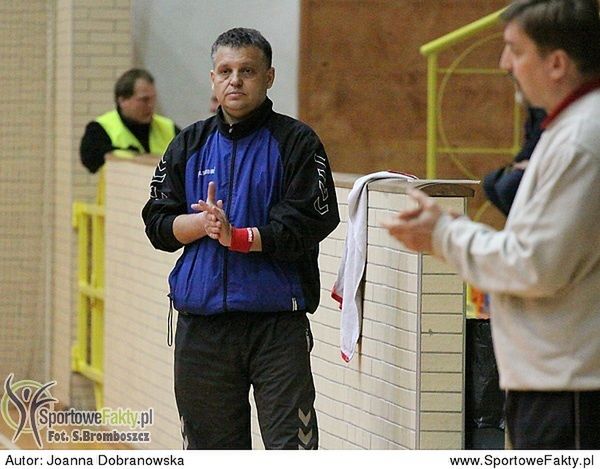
pixel 243 128
pixel 574 96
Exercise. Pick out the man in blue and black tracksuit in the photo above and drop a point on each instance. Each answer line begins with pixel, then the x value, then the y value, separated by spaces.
pixel 248 273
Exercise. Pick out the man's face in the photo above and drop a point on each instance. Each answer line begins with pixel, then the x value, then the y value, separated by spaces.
pixel 523 60
pixel 240 80
pixel 139 107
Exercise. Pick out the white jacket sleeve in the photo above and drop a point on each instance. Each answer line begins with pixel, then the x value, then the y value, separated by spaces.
pixel 551 236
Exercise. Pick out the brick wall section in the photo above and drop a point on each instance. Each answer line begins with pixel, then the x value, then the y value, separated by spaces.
pixel 93 47
pixel 23 133
pixel 403 388
pixel 64 248
pixel 387 354
pixel 138 362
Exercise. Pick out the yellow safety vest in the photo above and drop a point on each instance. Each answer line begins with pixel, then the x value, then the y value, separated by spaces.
pixel 162 131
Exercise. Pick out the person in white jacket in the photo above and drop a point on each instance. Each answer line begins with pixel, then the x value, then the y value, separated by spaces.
pixel 543 268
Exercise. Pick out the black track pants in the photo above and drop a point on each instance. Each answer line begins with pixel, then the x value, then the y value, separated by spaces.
pixel 553 420
pixel 218 358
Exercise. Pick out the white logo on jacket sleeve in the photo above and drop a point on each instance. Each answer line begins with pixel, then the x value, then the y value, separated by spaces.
pixel 320 204
pixel 157 180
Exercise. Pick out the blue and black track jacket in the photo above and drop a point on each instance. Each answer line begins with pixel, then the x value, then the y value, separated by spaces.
pixel 271 172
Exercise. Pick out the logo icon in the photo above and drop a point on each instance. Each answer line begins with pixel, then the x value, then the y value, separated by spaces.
pixel 28 397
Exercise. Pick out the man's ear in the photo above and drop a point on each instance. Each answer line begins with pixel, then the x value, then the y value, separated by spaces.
pixel 271 77
pixel 559 63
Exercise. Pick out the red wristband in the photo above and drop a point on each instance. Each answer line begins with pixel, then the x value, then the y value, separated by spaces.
pixel 241 239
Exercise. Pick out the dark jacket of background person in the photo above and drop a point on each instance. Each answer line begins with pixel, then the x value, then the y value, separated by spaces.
pixel 501 185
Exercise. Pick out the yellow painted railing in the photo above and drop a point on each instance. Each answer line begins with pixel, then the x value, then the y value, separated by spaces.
pixel 88 350
pixel 437 142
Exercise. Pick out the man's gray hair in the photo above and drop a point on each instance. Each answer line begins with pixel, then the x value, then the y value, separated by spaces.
pixel 237 38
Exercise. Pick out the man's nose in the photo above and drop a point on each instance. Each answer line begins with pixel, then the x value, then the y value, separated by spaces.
pixel 236 79
pixel 505 62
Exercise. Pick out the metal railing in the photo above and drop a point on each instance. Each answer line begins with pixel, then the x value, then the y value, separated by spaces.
pixel 88 351
pixel 437 141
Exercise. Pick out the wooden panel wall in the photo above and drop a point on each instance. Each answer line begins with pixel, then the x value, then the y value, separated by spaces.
pixel 363 84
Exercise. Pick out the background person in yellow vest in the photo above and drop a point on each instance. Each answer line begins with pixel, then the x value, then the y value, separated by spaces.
pixel 131 129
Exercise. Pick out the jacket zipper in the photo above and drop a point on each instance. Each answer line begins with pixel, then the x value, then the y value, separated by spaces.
pixel 227 207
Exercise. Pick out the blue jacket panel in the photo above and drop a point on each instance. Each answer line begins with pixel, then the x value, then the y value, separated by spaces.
pixel 247 174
